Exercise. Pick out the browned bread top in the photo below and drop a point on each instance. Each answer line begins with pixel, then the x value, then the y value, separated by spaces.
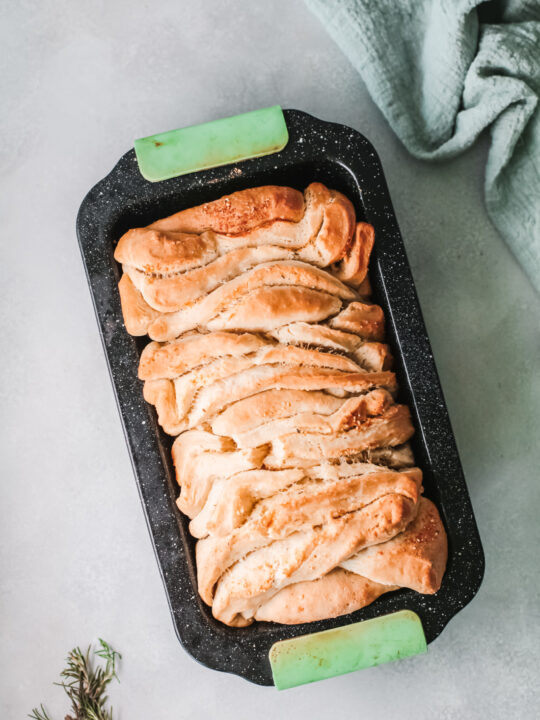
pixel 239 212
pixel 268 363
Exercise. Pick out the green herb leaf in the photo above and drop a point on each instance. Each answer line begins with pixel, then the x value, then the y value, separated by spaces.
pixel 85 684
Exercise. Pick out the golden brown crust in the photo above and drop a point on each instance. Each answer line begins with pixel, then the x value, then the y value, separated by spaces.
pixel 364 289
pixel 213 399
pixel 274 293
pixel 200 458
pixel 169 360
pixel 179 259
pixel 338 593
pixel 353 412
pixel 304 555
pixel 325 544
pixel 288 411
pixel 154 251
pixel 374 356
pixel 138 315
pixel 232 499
pixel 415 559
pixel 172 293
pixel 354 266
pixel 321 513
pixel 302 333
pixel 299 500
pixel 273 373
pixel 161 394
pixel 392 428
pixel 239 212
pixel 269 307
pixel 188 380
pixel 336 232
pixel 364 319
pixel 272 405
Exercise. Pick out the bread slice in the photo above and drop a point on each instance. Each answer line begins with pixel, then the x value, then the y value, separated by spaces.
pixel 236 594
pixel 415 558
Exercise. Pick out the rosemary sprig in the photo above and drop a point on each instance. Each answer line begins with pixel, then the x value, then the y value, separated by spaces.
pixel 85 685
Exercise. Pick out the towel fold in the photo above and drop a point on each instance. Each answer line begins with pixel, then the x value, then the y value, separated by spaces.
pixel 442 71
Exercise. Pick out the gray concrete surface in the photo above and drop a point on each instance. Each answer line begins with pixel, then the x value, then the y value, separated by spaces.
pixel 80 80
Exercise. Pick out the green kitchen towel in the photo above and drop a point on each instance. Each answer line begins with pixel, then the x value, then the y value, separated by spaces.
pixel 442 71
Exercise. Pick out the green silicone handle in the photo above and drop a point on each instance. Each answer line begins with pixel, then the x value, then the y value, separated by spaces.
pixel 211 144
pixel 321 655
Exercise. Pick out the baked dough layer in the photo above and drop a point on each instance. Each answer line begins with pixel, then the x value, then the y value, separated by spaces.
pixel 269 366
pixel 416 558
pixel 176 261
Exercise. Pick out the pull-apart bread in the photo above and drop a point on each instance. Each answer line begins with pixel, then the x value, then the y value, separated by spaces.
pixel 267 360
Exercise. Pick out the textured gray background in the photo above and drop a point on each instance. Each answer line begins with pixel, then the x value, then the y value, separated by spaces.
pixel 80 80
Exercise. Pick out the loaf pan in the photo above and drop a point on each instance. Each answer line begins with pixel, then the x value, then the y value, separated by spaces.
pixel 344 160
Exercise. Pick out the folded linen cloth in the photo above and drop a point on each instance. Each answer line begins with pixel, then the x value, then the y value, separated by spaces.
pixel 442 71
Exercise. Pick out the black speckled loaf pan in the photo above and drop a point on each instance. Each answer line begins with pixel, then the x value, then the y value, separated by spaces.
pixel 342 159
